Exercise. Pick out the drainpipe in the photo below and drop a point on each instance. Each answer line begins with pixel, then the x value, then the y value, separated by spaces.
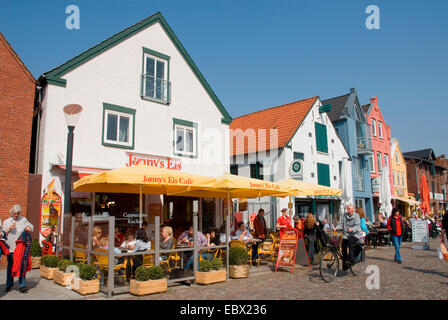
pixel 39 112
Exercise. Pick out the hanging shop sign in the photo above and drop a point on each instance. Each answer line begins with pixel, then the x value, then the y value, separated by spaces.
pixel 287 249
pixel 376 185
pixel 296 169
pixel 134 159
pixel 420 234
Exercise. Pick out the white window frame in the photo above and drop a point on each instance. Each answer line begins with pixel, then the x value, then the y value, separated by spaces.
pixel 397 160
pixel 372 163
pixel 393 175
pixel 164 80
pixel 184 127
pixel 130 128
pixel 380 130
pixel 374 127
pixel 380 163
pixel 402 179
pixel 386 160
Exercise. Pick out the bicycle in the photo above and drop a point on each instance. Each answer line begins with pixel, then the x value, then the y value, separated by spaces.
pixel 330 257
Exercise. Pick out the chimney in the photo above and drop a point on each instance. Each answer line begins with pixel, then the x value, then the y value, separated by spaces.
pixel 353 90
pixel 374 101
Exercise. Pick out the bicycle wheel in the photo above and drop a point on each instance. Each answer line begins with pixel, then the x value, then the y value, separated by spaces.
pixel 329 265
pixel 358 267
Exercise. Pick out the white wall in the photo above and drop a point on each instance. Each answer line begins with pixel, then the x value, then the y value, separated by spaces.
pixel 114 77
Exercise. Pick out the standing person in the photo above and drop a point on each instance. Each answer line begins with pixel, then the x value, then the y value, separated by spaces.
pixel 49 241
pixel 14 227
pixel 4 248
pixel 261 230
pixel 351 233
pixel 310 232
pixel 284 221
pixel 444 228
pixel 396 227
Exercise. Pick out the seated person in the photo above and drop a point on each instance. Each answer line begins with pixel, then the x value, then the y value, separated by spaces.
pixel 129 243
pixel 142 242
pixel 242 233
pixel 167 242
pixel 213 238
pixel 222 234
pixel 96 236
pixel 118 237
pixel 187 237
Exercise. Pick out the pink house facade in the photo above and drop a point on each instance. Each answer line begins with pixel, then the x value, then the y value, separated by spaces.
pixel 381 142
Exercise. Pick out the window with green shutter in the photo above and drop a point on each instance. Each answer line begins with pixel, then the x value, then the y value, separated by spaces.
pixel 321 137
pixel 433 169
pixel 323 174
pixel 234 169
pixel 298 155
pixel 256 170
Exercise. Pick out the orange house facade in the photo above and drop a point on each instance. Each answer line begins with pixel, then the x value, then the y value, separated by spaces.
pixel 381 143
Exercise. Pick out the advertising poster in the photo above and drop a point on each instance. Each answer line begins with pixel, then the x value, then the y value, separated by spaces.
pixel 420 234
pixel 288 248
pixel 51 208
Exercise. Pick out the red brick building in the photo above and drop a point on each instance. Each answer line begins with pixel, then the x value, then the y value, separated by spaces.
pixel 17 92
pixel 424 162
pixel 443 162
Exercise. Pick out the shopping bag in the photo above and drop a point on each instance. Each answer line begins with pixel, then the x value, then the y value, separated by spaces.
pixel 444 251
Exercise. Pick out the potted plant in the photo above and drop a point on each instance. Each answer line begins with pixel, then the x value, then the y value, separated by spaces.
pixel 86 283
pixel 61 276
pixel 36 254
pixel 49 264
pixel 210 272
pixel 148 280
pixel 238 263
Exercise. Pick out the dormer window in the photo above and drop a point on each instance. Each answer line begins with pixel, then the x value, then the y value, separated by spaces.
pixel 380 130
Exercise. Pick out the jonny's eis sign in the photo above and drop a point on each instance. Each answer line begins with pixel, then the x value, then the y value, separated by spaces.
pixel 153 161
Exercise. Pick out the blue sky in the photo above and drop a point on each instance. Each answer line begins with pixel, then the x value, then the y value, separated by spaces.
pixel 258 54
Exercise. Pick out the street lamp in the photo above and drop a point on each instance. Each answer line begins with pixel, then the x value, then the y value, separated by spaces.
pixel 71 113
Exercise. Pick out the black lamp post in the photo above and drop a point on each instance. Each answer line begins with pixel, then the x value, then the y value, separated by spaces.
pixel 72 113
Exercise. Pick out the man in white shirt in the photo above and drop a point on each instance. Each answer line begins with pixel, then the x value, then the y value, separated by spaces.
pixel 242 233
pixel 13 227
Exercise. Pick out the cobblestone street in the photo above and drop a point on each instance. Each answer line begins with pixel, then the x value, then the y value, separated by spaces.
pixel 421 276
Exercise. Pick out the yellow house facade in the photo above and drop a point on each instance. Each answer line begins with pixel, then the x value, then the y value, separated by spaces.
pixel 400 195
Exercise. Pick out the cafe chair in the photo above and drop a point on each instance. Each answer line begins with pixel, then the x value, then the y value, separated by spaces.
pixel 266 252
pixel 79 255
pixel 102 263
pixel 148 260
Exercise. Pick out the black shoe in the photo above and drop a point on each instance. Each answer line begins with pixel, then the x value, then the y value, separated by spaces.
pixel 23 290
pixel 395 259
pixel 8 289
pixel 399 262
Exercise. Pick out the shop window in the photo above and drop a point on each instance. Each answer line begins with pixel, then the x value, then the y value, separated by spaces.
pixel 155 76
pixel 118 126
pixel 321 137
pixel 185 133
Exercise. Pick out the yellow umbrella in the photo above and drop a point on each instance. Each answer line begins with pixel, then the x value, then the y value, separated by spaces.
pixel 141 178
pixel 303 188
pixel 229 185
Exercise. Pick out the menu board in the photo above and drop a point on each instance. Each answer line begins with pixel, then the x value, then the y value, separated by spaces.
pixel 420 233
pixel 287 249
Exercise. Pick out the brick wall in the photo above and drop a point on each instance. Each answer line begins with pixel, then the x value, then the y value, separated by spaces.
pixel 17 90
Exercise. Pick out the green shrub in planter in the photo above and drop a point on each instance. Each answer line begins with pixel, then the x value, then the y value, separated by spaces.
pixel 64 263
pixel 50 261
pixel 156 272
pixel 86 271
pixel 36 250
pixel 238 256
pixel 205 266
pixel 216 264
pixel 142 273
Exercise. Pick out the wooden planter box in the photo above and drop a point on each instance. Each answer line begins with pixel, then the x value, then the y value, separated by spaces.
pixel 86 286
pixel 35 262
pixel 62 278
pixel 141 288
pixel 240 271
pixel 210 277
pixel 47 273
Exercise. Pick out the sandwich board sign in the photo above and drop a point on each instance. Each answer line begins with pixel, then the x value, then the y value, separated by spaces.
pixel 420 234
